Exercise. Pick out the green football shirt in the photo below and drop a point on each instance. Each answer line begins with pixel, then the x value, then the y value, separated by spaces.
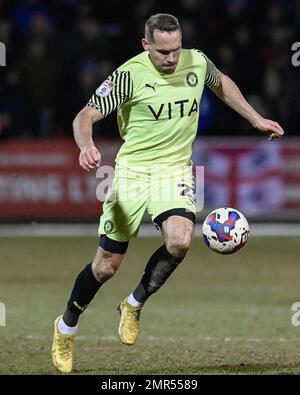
pixel 157 112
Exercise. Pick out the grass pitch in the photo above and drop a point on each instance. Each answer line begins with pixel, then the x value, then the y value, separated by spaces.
pixel 215 315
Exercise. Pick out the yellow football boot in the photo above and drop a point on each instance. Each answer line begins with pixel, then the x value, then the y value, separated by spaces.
pixel 129 327
pixel 62 350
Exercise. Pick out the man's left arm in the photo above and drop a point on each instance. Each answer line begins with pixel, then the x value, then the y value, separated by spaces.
pixel 230 94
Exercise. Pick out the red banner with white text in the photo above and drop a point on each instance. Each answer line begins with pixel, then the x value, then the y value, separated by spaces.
pixel 42 180
pixel 259 177
pixel 247 175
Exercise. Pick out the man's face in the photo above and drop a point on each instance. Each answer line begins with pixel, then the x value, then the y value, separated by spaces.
pixel 164 51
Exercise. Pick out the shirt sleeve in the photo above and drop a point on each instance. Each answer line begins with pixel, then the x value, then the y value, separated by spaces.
pixel 212 77
pixel 112 93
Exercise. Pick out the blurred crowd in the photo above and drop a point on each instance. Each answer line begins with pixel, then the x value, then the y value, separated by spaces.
pixel 59 51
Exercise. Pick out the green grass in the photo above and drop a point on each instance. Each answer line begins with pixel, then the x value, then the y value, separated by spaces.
pixel 215 315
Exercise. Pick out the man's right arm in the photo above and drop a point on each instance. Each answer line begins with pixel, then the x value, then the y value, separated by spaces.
pixel 110 95
pixel 89 157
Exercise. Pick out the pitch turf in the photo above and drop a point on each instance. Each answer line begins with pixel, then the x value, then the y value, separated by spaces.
pixel 215 315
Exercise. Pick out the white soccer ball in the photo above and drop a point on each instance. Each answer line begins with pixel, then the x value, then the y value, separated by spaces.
pixel 225 230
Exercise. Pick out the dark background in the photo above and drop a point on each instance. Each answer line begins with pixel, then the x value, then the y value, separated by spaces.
pixel 59 52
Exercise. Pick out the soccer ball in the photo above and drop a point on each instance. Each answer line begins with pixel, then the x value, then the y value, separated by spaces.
pixel 225 230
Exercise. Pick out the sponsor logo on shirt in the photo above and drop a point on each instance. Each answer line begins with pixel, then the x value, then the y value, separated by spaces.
pixel 105 88
pixel 151 86
pixel 179 108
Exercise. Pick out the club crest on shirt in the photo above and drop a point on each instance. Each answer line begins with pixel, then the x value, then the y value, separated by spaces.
pixel 108 226
pixel 192 79
pixel 105 88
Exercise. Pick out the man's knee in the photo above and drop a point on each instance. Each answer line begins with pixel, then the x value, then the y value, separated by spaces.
pixel 109 257
pixel 178 233
pixel 105 264
pixel 178 245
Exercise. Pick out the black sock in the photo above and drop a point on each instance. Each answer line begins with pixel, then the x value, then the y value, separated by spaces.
pixel 84 290
pixel 159 268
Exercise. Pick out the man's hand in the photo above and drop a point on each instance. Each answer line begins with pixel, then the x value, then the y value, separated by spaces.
pixel 89 158
pixel 274 130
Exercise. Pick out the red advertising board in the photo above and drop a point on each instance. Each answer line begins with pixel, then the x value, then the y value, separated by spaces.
pixel 245 174
pixel 43 180
pixel 291 154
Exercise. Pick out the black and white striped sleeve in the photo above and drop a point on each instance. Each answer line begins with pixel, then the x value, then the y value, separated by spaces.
pixel 212 77
pixel 112 93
